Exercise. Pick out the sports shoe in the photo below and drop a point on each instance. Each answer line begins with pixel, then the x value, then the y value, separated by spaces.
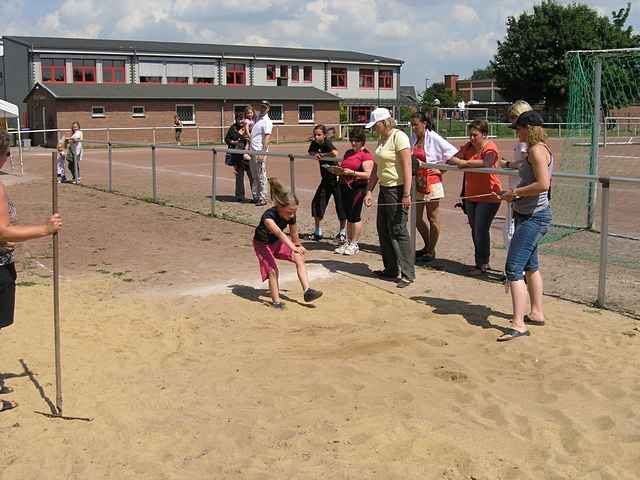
pixel 310 295
pixel 342 248
pixel 341 237
pixel 404 282
pixel 261 203
pixel 277 305
pixel 351 248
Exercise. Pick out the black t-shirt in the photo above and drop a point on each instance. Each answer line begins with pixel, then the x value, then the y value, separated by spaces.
pixel 323 147
pixel 263 234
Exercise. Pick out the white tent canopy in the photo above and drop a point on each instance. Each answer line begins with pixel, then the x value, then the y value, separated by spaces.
pixel 9 110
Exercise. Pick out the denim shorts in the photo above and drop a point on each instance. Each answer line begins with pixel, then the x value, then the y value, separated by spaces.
pixel 523 251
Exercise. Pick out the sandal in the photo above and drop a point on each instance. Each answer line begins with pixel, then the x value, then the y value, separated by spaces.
pixel 7 405
pixel 530 321
pixel 511 334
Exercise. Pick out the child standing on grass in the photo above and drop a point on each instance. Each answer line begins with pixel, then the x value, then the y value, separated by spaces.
pixel 270 242
pixel 60 167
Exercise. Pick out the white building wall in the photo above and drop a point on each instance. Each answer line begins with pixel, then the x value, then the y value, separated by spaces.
pixel 36 75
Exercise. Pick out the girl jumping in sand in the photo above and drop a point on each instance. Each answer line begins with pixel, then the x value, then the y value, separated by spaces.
pixel 270 242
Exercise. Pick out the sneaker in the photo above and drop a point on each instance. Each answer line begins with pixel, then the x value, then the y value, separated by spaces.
pixel 385 275
pixel 341 237
pixel 404 282
pixel 277 305
pixel 310 295
pixel 342 248
pixel 351 249
pixel 261 203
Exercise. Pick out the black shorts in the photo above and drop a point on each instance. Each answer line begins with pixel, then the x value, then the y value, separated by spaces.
pixel 352 200
pixel 7 294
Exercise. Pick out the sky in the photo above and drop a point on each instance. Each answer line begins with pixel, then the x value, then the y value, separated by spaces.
pixel 433 37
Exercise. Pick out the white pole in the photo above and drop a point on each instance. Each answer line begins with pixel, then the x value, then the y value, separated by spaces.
pixel 595 141
pixel 21 172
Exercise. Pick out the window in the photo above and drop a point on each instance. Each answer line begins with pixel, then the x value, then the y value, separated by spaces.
pixel 187 114
pixel 385 78
pixel 137 111
pixel 295 73
pixel 276 114
pixel 366 78
pixel 148 79
pixel 97 112
pixel 53 70
pixel 360 114
pixel 203 80
pixel 84 71
pixel 113 71
pixel 271 72
pixel 338 78
pixel 305 114
pixel 284 71
pixel 308 74
pixel 235 74
pixel 178 80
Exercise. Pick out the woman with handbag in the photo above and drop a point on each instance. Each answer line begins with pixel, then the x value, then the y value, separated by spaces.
pixel 237 138
pixel 428 146
pixel 480 189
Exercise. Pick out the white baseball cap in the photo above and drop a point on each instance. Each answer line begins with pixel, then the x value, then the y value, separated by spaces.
pixel 378 115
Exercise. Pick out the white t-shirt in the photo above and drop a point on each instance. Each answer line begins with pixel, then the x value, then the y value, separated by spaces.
pixel 77 142
pixel 262 127
pixel 437 149
pixel 520 150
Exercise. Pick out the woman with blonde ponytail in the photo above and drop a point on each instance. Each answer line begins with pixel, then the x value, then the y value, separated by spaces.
pixel 271 243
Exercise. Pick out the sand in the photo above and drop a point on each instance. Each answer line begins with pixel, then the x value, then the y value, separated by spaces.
pixel 365 384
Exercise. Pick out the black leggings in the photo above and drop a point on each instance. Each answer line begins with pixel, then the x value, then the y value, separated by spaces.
pixel 328 186
pixel 352 200
pixel 7 294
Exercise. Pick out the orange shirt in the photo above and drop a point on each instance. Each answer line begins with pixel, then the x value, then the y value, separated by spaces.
pixel 481 183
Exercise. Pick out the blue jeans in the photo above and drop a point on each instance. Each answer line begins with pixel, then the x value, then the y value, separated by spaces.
pixel 523 251
pixel 480 217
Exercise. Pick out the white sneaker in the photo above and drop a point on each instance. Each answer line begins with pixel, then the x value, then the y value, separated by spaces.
pixel 352 249
pixel 341 249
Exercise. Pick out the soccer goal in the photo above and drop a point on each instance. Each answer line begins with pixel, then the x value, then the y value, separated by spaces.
pixel 603 120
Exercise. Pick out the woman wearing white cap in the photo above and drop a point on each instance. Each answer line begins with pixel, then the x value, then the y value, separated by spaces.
pixel 393 169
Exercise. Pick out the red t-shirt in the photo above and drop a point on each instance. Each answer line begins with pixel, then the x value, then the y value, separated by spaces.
pixel 421 155
pixel 481 183
pixel 353 160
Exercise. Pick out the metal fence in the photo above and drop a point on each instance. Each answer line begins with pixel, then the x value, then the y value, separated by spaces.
pixel 606 184
pixel 214 134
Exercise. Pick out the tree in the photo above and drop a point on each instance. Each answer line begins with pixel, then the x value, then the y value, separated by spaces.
pixel 530 64
pixel 483 73
pixel 445 97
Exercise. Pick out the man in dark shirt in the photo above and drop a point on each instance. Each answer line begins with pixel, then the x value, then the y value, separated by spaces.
pixel 237 138
pixel 325 152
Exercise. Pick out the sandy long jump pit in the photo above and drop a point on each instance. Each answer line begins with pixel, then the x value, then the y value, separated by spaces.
pixel 169 347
